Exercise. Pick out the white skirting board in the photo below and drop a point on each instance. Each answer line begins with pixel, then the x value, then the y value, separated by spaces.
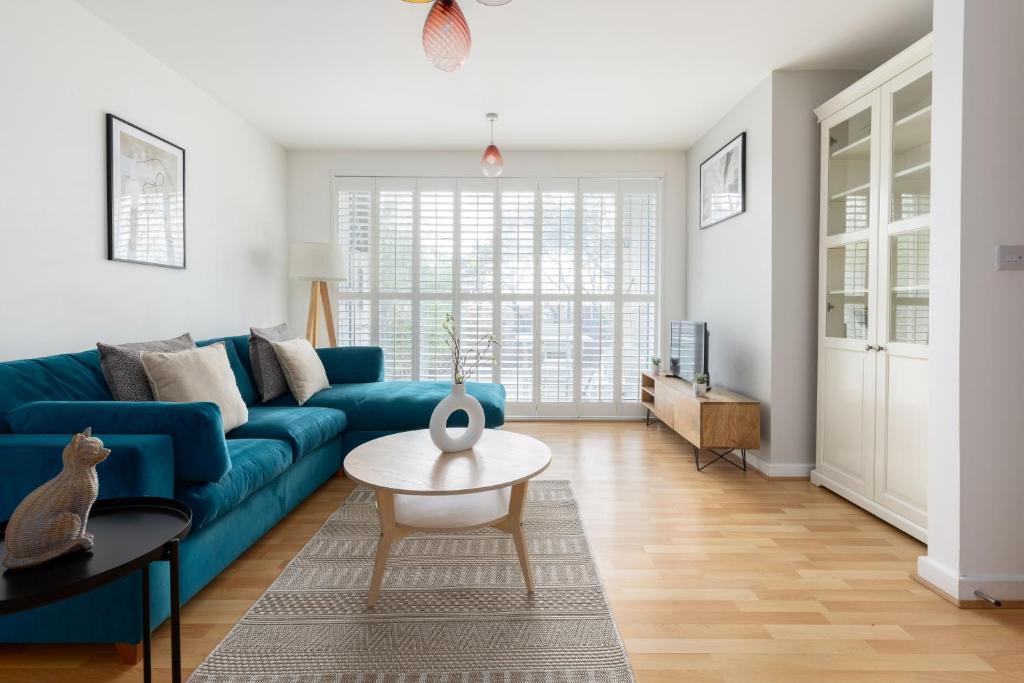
pixel 963 587
pixel 883 513
pixel 780 469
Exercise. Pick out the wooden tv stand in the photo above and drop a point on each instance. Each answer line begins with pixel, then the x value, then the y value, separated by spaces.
pixel 720 422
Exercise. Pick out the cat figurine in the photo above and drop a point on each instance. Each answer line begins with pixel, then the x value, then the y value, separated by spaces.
pixel 51 520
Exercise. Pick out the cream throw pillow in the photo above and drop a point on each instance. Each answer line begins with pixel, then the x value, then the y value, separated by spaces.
pixel 303 369
pixel 202 374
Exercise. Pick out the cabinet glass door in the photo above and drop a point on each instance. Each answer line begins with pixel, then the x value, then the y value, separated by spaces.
pixel 909 254
pixel 911 150
pixel 849 174
pixel 908 174
pixel 846 308
pixel 902 305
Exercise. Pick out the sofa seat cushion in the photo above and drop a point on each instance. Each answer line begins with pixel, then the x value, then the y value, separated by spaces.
pixel 399 406
pixel 254 464
pixel 304 429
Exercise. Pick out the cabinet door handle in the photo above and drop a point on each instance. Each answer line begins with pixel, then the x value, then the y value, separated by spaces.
pixel 881 348
pixel 869 347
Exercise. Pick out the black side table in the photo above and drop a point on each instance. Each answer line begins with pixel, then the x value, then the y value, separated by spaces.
pixel 130 534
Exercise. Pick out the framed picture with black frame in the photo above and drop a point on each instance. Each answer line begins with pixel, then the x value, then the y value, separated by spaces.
pixel 723 183
pixel 145 197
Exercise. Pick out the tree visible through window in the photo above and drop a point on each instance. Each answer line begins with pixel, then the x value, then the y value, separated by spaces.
pixel 563 271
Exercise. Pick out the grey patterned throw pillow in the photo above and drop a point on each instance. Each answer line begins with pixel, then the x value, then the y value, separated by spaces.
pixel 266 370
pixel 122 366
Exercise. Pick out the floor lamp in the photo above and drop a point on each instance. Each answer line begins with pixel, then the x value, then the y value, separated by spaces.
pixel 319 263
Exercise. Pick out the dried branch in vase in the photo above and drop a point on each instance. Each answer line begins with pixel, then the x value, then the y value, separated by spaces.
pixel 465 361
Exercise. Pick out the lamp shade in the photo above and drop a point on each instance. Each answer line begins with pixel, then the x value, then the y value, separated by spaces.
pixel 324 261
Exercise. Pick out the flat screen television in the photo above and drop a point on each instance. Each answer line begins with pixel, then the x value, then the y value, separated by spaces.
pixel 688 344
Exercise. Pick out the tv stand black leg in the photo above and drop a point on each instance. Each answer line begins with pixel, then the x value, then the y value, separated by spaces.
pixel 719 455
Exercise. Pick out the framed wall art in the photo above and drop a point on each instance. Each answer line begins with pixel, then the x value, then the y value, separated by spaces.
pixel 145 197
pixel 723 191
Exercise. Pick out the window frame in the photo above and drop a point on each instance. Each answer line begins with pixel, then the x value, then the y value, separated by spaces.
pixel 579 185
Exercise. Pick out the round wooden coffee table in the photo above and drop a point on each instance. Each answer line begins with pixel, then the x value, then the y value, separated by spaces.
pixel 421 489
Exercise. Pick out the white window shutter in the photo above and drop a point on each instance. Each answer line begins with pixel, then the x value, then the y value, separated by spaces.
pixel 558 237
pixel 437 240
pixel 562 270
pixel 435 359
pixel 557 352
pixel 476 236
pixel 476 321
pixel 517 356
pixel 598 248
pixel 518 207
pixel 395 236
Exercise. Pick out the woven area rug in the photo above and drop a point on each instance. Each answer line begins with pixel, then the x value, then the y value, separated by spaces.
pixel 452 607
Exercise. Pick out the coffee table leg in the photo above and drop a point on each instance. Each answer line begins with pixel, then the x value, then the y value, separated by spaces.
pixel 388 535
pixel 516 506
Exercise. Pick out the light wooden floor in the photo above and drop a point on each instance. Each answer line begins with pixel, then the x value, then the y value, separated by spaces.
pixel 712 576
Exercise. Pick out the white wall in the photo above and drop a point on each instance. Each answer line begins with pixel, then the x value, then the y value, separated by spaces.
pixel 796 154
pixel 977 435
pixel 753 278
pixel 61 71
pixel 728 266
pixel 992 315
pixel 310 205
pixel 941 565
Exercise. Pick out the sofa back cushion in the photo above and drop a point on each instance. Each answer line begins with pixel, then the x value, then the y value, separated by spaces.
pixel 78 377
pixel 67 377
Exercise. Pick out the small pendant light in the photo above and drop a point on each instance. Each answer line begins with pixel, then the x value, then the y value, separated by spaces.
pixel 492 163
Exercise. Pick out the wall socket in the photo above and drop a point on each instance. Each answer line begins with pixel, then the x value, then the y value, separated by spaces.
pixel 1010 257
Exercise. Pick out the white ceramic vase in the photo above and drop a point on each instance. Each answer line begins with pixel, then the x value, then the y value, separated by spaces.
pixel 700 389
pixel 449 441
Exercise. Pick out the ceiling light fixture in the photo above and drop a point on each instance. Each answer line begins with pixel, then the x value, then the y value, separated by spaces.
pixel 446 37
pixel 492 163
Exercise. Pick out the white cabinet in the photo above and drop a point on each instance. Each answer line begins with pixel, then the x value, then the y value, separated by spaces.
pixel 874 290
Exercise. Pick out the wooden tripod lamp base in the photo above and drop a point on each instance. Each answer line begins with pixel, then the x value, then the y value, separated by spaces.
pixel 318 263
pixel 319 296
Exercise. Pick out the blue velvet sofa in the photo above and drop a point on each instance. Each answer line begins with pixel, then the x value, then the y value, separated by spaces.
pixel 238 486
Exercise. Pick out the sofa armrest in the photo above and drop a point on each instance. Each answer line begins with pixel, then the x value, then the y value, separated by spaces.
pixel 196 429
pixel 138 465
pixel 353 364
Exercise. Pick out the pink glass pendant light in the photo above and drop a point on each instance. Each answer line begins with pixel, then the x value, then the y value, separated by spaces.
pixel 446 38
pixel 492 163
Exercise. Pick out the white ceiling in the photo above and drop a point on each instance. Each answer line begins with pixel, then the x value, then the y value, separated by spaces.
pixel 563 74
